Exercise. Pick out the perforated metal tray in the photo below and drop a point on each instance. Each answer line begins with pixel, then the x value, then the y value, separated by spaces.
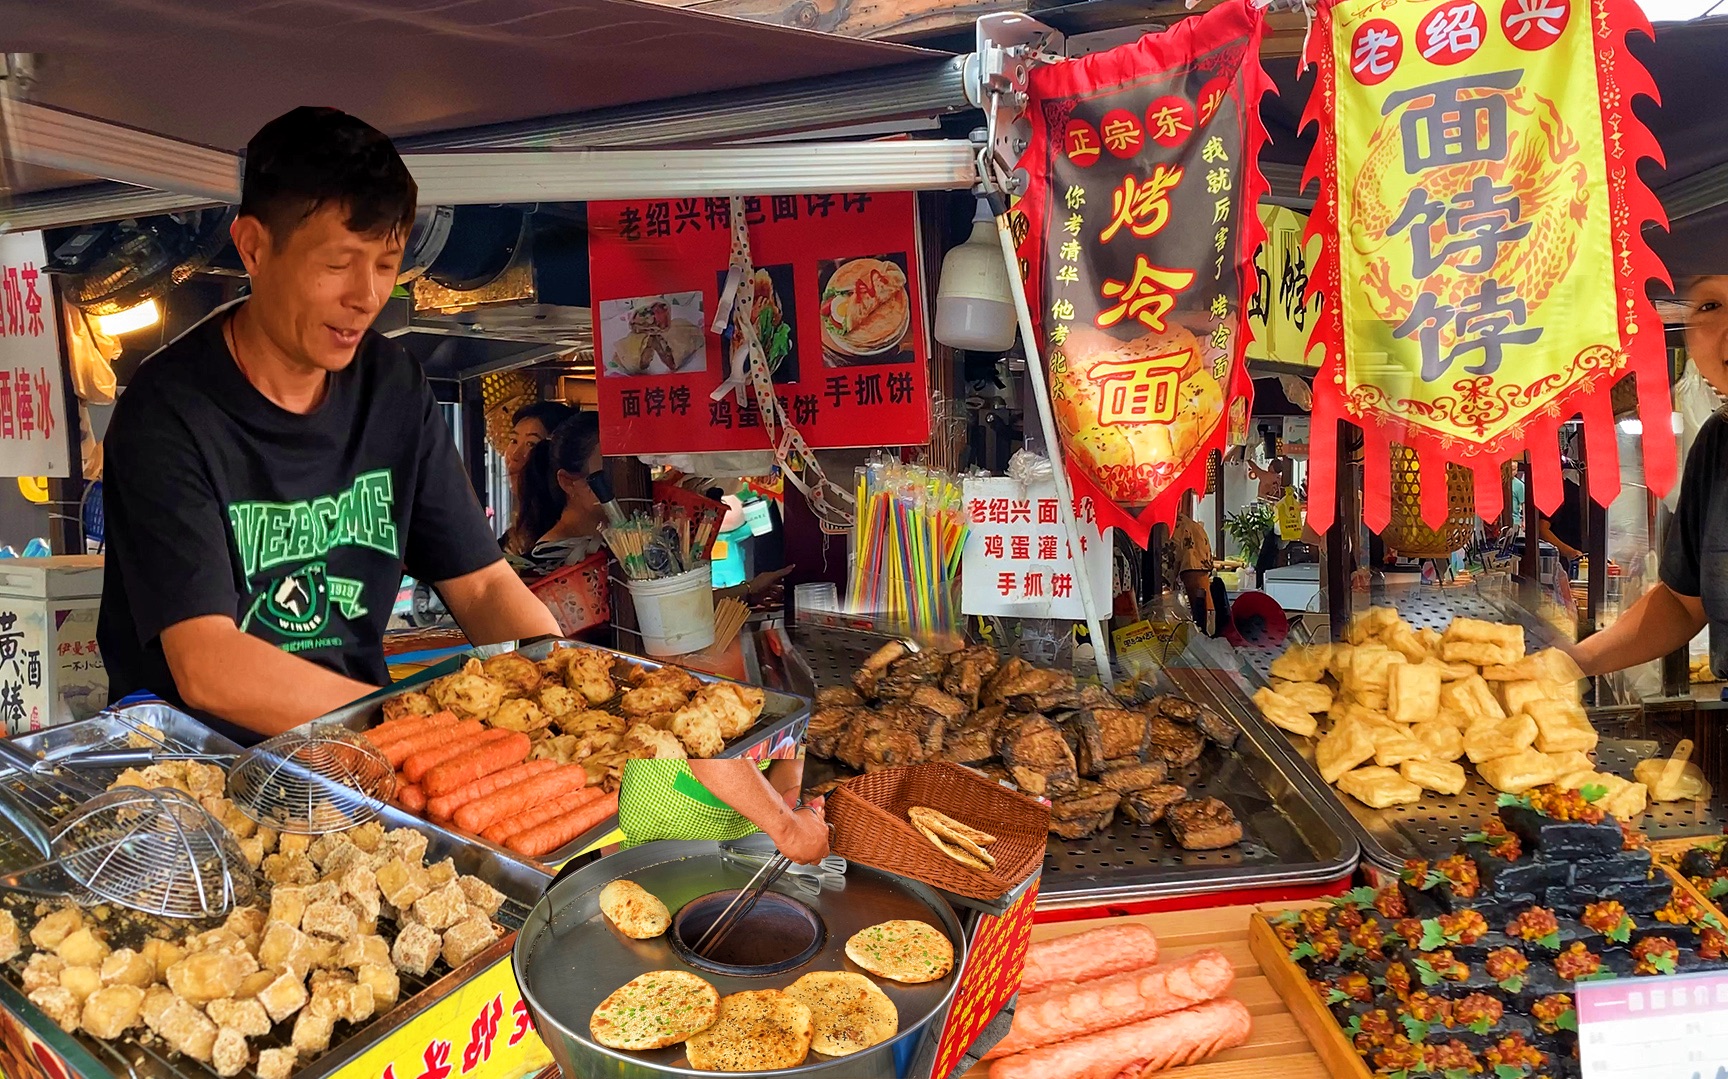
pixel 1293 833
pixel 1430 828
pixel 88 1056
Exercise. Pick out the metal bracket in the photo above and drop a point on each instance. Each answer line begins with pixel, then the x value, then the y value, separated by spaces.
pixel 1009 46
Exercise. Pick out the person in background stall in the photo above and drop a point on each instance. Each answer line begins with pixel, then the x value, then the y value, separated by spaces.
pixel 530 426
pixel 559 508
pixel 1693 591
pixel 272 471
pixel 1192 552
pixel 1565 530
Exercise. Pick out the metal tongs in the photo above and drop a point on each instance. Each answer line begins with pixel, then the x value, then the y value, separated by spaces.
pixel 829 873
pixel 742 904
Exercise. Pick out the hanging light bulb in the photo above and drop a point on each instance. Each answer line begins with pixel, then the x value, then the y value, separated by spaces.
pixel 145 314
pixel 974 309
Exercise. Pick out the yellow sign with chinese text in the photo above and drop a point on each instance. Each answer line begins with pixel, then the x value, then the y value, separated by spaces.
pixel 480 1030
pixel 1281 311
pixel 1473 209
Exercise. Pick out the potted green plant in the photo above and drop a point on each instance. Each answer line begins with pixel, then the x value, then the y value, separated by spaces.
pixel 1249 527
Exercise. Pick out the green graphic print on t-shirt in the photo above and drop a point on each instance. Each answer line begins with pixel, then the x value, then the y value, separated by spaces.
pixel 295 606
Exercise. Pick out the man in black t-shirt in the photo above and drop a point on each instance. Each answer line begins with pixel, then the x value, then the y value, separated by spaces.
pixel 1693 591
pixel 1565 530
pixel 271 472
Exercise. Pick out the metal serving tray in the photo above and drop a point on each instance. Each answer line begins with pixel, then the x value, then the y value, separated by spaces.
pixel 782 723
pixel 521 884
pixel 1293 833
pixel 1430 828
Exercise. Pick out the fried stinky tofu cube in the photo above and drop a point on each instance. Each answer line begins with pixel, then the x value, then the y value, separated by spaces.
pixel 407 844
pixel 284 996
pixel 127 967
pixel 269 837
pixel 157 1000
pixel 287 904
pixel 43 970
pixel 325 891
pixel 358 1003
pixel 236 821
pixel 441 873
pixel 248 924
pixel 339 857
pixel 402 883
pixel 385 983
pixel 252 849
pixel 59 1005
pixel 206 976
pixel 293 843
pixel 360 891
pixel 276 1063
pixel 110 1012
pixel 358 951
pixel 286 948
pixel 329 998
pixel 162 955
pixel 312 1032
pixel 10 942
pixel 188 1030
pixel 416 949
pixel 442 907
pixel 229 1054
pixel 468 939
pixel 56 927
pixel 248 1017
pixel 367 836
pixel 205 780
pixel 254 983
pixel 282 868
pixel 481 895
pixel 81 981
pixel 329 919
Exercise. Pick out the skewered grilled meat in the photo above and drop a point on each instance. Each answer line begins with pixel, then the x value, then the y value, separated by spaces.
pixel 1180 709
pixel 1147 806
pixel 1109 734
pixel 973 739
pixel 1204 824
pixel 1216 727
pixel 829 724
pixel 870 672
pixel 838 697
pixel 1132 775
pixel 1179 745
pixel 1038 758
pixel 968 671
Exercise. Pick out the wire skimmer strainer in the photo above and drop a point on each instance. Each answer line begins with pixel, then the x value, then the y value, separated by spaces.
pixel 325 778
pixel 156 851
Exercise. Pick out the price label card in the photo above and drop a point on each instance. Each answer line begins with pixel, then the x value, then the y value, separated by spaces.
pixel 1654 1028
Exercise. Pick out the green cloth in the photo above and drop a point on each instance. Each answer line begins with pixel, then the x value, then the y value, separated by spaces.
pixel 663 799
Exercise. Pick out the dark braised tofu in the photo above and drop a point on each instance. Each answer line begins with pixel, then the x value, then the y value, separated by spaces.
pixel 1217 729
pixel 1181 709
pixel 838 697
pixel 1131 775
pixel 1038 758
pixel 1203 824
pixel 1110 734
pixel 973 739
pixel 1081 827
pixel 1088 800
pixel 969 670
pixel 829 724
pixel 1147 806
pixel 869 674
pixel 1011 668
pixel 1180 745
pixel 1036 680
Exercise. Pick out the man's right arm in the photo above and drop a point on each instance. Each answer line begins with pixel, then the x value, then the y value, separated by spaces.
pixel 220 670
pixel 1662 621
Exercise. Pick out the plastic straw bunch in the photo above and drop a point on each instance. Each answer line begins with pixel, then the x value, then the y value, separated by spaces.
pixel 670 541
pixel 906 547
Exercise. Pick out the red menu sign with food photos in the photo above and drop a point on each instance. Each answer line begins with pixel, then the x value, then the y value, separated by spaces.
pixel 839 310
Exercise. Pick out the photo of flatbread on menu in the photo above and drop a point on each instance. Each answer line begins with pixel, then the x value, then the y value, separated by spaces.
pixel 866 310
pixel 1136 413
pixel 653 335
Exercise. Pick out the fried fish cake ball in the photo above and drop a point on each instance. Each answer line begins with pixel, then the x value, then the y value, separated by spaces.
pixel 519 675
pixel 588 671
pixel 468 693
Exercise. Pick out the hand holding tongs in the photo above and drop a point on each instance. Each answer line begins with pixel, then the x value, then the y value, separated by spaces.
pixel 742 904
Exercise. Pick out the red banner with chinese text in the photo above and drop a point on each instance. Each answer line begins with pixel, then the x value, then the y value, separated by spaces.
pixel 1479 191
pixel 1140 223
pixel 839 298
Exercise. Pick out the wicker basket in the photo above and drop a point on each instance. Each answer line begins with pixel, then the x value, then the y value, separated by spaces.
pixel 1407 533
pixel 868 815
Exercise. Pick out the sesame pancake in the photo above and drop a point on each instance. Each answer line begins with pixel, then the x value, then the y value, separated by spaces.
pixel 849 1012
pixel 655 1010
pixel 906 951
pixel 762 1030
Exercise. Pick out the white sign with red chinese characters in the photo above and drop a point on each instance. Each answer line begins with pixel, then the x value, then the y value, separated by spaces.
pixel 1017 562
pixel 1654 1028
pixel 32 405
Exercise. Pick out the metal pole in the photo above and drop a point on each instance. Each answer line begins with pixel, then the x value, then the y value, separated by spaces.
pixel 1053 447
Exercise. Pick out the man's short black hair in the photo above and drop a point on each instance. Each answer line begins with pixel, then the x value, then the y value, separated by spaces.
pixel 313 157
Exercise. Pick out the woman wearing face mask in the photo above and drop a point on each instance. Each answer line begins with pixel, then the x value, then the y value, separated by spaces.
pixel 1693 591
pixel 531 425
pixel 558 508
